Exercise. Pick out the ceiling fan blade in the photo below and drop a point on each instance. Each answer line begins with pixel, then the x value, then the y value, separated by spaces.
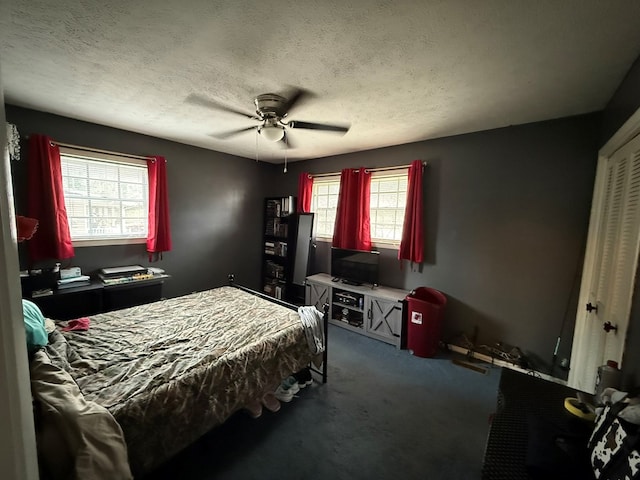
pixel 225 135
pixel 294 97
pixel 207 102
pixel 319 126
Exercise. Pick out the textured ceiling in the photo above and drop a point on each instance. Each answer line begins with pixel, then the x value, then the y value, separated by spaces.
pixel 397 71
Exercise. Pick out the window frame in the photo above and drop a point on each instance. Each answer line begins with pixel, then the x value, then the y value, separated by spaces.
pixel 326 179
pixel 375 242
pixel 388 173
pixel 113 159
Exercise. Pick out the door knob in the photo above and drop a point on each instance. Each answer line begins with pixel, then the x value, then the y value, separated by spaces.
pixel 591 307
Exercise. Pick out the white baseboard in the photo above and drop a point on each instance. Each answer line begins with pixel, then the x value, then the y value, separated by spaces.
pixel 502 363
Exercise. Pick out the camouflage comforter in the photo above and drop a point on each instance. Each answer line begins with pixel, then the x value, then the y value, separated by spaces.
pixel 169 371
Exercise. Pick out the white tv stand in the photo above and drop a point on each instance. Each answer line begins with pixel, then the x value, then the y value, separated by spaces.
pixel 376 312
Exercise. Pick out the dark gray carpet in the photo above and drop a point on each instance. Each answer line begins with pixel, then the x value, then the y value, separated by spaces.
pixel 384 414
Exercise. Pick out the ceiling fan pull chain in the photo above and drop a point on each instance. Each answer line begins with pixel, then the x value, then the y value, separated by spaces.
pixel 285 156
pixel 257 133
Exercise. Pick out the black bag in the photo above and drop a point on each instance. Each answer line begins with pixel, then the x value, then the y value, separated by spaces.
pixel 613 446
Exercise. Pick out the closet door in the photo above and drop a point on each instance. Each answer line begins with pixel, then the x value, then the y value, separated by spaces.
pixel 610 266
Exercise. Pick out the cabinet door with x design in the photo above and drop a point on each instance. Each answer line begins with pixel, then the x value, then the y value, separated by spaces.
pixel 384 318
pixel 317 295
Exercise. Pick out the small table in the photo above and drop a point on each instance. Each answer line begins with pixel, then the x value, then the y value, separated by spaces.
pixel 525 432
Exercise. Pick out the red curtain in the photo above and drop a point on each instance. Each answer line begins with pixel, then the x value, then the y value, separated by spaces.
pixel 353 226
pixel 159 236
pixel 412 243
pixel 46 202
pixel 26 227
pixel 305 187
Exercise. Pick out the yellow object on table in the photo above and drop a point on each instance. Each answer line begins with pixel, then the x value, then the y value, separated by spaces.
pixel 579 409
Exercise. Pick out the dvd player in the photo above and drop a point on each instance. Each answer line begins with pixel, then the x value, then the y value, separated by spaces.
pixel 346 299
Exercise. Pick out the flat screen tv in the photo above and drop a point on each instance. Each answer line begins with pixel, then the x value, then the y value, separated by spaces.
pixel 355 267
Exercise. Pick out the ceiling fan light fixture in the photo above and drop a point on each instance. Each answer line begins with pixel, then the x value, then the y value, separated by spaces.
pixel 272 133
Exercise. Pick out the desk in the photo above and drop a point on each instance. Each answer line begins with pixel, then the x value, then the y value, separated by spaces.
pixel 75 302
pixel 531 409
pixel 133 293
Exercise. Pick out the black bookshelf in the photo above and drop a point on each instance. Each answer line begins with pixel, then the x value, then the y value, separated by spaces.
pixel 278 246
pixel 286 248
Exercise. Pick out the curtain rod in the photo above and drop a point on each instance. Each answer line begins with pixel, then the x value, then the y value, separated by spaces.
pixel 96 150
pixel 380 169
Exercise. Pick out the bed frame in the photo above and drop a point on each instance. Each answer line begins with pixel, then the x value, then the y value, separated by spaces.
pixel 131 424
pixel 325 321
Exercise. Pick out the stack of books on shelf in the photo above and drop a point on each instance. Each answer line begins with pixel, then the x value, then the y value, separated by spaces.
pixel 118 275
pixel 72 277
pixel 280 229
pixel 280 207
pixel 286 206
pixel 274 270
pixel 275 228
pixel 270 248
pixel 276 248
pixel 270 228
pixel 274 288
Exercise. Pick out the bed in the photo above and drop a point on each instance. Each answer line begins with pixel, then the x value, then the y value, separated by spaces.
pixel 170 371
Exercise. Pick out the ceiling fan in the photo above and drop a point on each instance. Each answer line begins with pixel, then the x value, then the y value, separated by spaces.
pixel 271 114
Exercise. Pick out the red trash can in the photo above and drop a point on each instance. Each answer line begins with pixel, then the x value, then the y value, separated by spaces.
pixel 424 320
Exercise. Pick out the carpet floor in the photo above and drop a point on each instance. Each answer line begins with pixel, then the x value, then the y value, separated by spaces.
pixel 384 414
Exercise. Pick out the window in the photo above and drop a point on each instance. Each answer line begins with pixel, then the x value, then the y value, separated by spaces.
pixel 387 204
pixel 106 196
pixel 324 204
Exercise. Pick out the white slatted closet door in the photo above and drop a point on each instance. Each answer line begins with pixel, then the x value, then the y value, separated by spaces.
pixel 610 266
pixel 623 275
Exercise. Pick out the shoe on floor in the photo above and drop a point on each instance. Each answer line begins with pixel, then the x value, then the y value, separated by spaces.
pixel 254 409
pixel 304 377
pixel 283 393
pixel 270 402
pixel 291 383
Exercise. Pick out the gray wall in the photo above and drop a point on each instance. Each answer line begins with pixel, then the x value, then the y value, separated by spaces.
pixel 622 105
pixel 215 204
pixel 506 218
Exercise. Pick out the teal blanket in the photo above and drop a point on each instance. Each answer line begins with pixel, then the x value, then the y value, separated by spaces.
pixel 34 326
